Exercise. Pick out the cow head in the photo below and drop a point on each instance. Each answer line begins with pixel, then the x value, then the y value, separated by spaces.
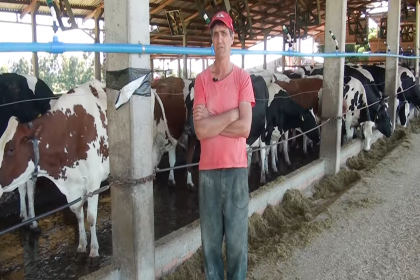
pixel 367 132
pixel 416 97
pixel 382 119
pixel 308 122
pixel 16 155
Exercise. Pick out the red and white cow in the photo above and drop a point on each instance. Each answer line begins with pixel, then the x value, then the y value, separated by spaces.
pixel 170 115
pixel 69 146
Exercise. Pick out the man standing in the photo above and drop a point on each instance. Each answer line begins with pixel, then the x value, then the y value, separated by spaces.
pixel 223 101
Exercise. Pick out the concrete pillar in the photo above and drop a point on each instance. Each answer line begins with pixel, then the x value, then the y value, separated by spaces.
pixel 299 43
pixel 417 43
pixel 96 17
pixel 179 68
pixel 391 64
pixel 184 59
pixel 283 58
pixel 266 32
pixel 130 140
pixel 35 63
pixel 332 94
pixel 313 50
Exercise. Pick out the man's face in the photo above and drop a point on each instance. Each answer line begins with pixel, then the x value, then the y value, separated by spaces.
pixel 222 40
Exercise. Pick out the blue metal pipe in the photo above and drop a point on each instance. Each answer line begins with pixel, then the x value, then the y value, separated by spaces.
pixel 58 47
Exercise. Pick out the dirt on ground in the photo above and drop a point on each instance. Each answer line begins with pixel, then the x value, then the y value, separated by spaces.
pixel 278 237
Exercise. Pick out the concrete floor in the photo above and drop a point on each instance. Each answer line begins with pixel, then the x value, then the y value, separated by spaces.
pixel 378 241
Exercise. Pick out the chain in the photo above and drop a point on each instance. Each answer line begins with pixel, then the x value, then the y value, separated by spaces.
pixel 132 182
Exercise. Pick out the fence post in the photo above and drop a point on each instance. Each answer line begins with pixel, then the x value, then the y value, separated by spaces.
pixel 391 65
pixel 332 93
pixel 130 138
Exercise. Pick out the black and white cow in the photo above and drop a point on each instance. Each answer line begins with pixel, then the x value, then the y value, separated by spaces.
pixel 407 90
pixel 378 107
pixel 357 114
pixel 285 114
pixel 310 70
pixel 25 97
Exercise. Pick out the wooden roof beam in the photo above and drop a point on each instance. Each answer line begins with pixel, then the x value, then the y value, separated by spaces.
pixel 161 6
pixel 29 9
pixel 92 14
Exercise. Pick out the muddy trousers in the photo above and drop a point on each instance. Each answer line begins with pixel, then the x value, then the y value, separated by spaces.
pixel 223 203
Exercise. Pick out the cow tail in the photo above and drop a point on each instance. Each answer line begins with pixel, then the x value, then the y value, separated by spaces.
pixel 174 142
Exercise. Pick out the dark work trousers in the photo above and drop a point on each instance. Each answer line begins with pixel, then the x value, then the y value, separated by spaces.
pixel 223 199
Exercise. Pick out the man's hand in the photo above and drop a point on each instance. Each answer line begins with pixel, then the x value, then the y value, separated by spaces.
pixel 201 112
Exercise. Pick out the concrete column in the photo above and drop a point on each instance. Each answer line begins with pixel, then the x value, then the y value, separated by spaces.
pixel 35 63
pixel 283 58
pixel 313 50
pixel 266 32
pixel 97 16
pixel 184 58
pixel 391 64
pixel 332 94
pixel 179 68
pixel 417 43
pixel 130 133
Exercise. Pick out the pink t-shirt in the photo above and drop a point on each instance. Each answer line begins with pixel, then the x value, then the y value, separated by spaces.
pixel 221 96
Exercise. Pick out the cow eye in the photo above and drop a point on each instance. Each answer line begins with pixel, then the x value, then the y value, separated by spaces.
pixel 10 151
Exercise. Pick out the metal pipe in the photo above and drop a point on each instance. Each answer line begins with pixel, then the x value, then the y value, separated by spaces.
pixel 59 47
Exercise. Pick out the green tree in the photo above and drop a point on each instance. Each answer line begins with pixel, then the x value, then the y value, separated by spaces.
pixel 59 72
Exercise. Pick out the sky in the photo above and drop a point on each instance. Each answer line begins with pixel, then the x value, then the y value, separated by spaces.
pixel 12 32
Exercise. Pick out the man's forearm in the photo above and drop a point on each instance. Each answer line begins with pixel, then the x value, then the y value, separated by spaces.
pixel 214 125
pixel 236 129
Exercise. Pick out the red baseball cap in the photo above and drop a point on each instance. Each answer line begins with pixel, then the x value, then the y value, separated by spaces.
pixel 223 17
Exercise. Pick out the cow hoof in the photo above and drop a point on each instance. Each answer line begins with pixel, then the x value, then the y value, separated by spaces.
pixel 81 257
pixel 171 183
pixel 191 188
pixel 93 261
pixel 35 230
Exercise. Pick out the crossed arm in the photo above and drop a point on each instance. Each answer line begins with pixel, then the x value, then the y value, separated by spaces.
pixel 232 123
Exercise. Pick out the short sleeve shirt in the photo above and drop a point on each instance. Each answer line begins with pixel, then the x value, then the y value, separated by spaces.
pixel 220 96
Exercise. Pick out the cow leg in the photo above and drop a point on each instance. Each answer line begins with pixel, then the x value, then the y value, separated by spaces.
pixel 305 145
pixel 190 154
pixel 172 161
pixel 249 159
pixel 30 185
pixel 22 194
pixel 92 212
pixel 264 166
pixel 293 141
pixel 349 130
pixel 286 148
pixel 274 156
pixel 78 211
